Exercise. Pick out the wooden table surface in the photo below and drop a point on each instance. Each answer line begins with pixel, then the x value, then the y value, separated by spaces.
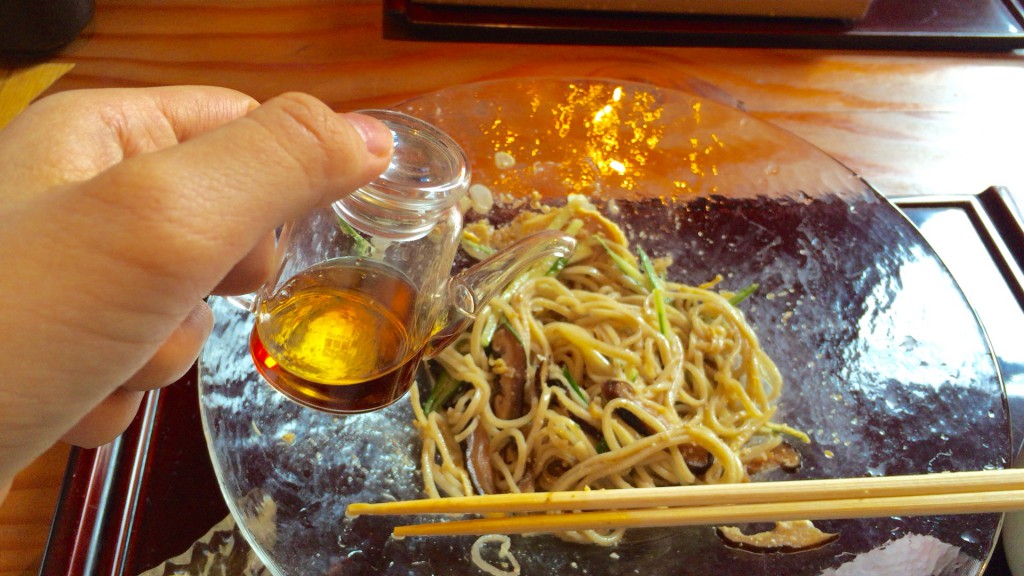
pixel 910 123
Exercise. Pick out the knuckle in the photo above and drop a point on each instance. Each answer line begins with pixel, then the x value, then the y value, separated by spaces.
pixel 303 121
pixel 313 135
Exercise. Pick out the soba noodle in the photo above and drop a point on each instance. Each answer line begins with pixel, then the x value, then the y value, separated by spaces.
pixel 630 379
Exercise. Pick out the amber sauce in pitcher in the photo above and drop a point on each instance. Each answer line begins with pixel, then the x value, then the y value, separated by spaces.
pixel 364 289
pixel 336 336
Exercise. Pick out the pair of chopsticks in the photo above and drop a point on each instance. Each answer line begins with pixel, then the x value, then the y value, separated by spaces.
pixel 939 493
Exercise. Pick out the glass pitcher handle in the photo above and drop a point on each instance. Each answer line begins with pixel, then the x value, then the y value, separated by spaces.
pixel 246 302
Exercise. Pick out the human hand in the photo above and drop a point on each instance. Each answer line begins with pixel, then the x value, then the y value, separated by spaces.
pixel 120 210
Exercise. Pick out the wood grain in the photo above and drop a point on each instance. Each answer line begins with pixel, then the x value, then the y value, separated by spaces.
pixel 26 513
pixel 908 123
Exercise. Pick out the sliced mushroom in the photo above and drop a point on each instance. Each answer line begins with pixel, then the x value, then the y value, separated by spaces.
pixel 509 401
pixel 588 428
pixel 526 483
pixel 478 461
pixel 787 457
pixel 782 456
pixel 613 389
pixel 698 459
pixel 786 537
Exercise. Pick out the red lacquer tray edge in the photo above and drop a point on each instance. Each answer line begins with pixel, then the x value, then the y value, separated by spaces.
pixel 95 510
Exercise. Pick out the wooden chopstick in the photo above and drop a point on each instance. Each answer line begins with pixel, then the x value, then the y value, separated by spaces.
pixel 926 494
pixel 705 494
pixel 927 505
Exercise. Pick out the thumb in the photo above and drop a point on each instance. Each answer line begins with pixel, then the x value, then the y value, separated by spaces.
pixel 190 212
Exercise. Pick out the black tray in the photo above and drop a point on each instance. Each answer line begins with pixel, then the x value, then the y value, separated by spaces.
pixel 948 25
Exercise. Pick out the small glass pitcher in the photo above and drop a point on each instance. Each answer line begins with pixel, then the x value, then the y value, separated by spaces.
pixel 363 289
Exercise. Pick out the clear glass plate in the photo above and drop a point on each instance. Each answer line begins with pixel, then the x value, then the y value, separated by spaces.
pixel 886 365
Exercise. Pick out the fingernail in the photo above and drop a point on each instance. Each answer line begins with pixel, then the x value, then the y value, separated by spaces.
pixel 378 137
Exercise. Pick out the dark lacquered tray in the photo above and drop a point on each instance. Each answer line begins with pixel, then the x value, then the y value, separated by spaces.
pixel 888 25
pixel 148 496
